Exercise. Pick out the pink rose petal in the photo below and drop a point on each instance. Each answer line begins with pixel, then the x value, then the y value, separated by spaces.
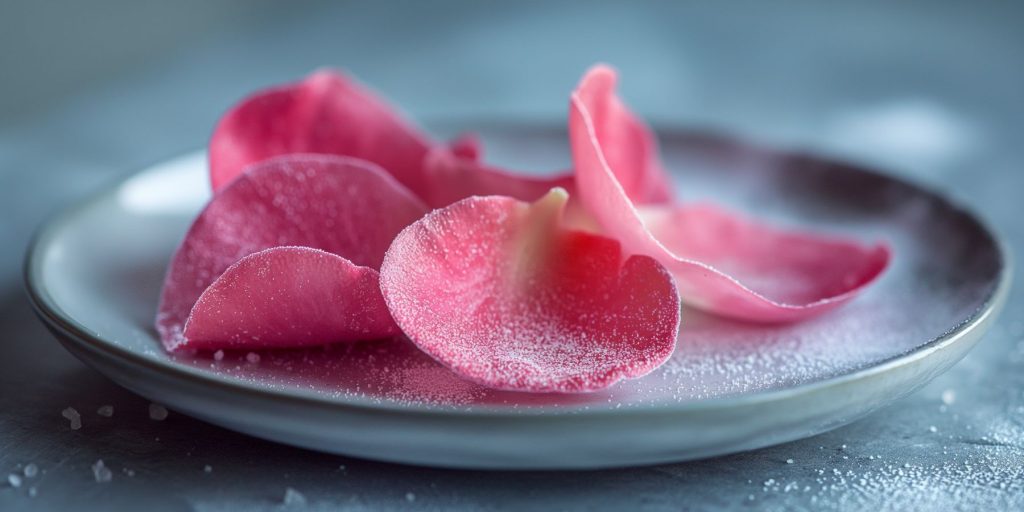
pixel 725 264
pixel 289 297
pixel 629 147
pixel 326 113
pixel 497 291
pixel 330 113
pixel 793 268
pixel 467 146
pixel 344 206
pixel 457 174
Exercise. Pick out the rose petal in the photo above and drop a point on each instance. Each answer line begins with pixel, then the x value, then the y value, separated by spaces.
pixel 457 174
pixel 330 113
pixel 289 297
pixel 467 146
pixel 630 147
pixel 497 291
pixel 793 268
pixel 727 265
pixel 326 113
pixel 344 206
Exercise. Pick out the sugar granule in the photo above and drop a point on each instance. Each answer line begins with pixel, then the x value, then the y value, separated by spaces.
pixel 948 397
pixel 157 412
pixel 293 497
pixel 101 472
pixel 73 417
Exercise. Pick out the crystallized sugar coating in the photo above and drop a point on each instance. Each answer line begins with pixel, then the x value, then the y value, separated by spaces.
pixel 725 264
pixel 290 297
pixel 343 206
pixel 494 289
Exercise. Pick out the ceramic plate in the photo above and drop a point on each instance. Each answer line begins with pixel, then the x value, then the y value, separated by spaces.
pixel 94 275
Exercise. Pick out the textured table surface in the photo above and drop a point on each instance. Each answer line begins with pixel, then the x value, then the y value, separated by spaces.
pixel 923 89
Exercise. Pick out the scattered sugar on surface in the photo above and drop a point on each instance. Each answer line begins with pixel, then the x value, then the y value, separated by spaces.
pixel 73 417
pixel 106 411
pixel 990 479
pixel 976 472
pixel 31 470
pixel 101 473
pixel 14 480
pixel 948 397
pixel 293 498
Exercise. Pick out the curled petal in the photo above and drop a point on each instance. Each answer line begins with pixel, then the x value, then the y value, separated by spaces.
pixel 723 263
pixel 630 147
pixel 803 273
pixel 499 292
pixel 326 113
pixel 347 207
pixel 289 297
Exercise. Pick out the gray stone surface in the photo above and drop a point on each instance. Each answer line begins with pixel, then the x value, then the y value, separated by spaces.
pixel 926 89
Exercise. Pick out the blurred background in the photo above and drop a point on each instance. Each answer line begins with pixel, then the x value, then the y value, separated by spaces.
pixel 97 89
pixel 94 91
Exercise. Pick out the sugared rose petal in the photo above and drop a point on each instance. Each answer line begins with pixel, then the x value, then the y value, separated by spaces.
pixel 326 113
pixel 723 263
pixel 344 206
pixel 330 113
pixel 803 273
pixel 289 297
pixel 497 291
pixel 629 146
pixel 457 174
